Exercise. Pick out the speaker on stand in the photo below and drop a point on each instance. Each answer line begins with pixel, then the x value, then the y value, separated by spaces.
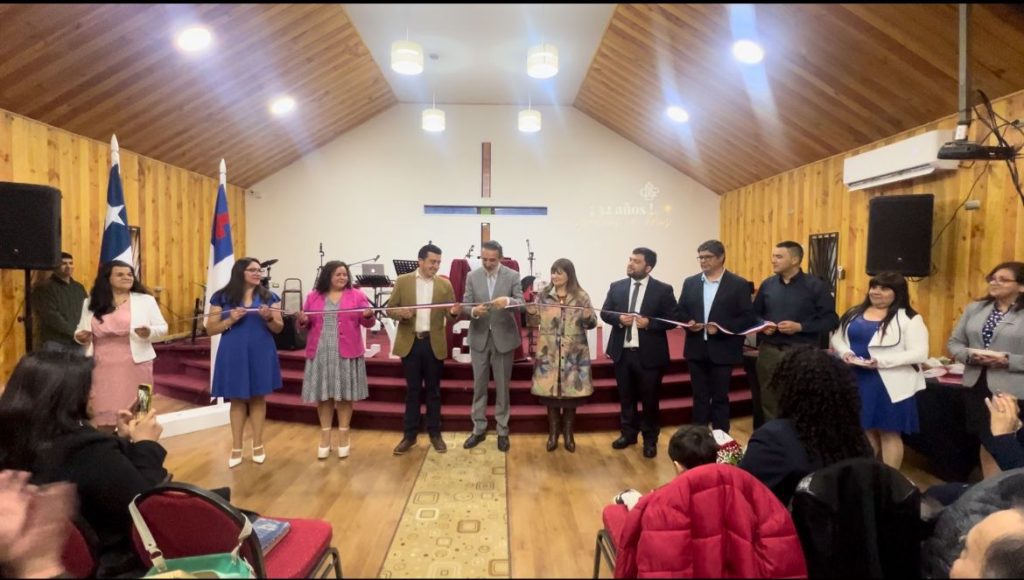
pixel 29 235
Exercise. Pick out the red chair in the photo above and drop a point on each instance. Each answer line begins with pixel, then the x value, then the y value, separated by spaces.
pixel 79 557
pixel 186 520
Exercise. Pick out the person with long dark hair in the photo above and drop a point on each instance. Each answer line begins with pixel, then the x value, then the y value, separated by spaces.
pixel 818 423
pixel 46 414
pixel 119 322
pixel 989 340
pixel 884 340
pixel 561 371
pixel 335 369
pixel 247 368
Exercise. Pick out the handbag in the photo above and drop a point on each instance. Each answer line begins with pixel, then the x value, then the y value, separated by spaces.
pixel 222 565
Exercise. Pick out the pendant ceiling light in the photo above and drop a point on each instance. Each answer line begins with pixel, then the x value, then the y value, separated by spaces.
pixel 529 119
pixel 406 57
pixel 542 61
pixel 433 118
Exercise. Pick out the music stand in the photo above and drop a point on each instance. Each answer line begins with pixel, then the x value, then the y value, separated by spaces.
pixel 376 282
pixel 405 266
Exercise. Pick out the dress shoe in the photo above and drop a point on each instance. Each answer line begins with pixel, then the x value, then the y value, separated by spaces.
pixel 404 445
pixel 235 461
pixel 650 450
pixel 438 444
pixel 623 442
pixel 259 457
pixel 343 451
pixel 503 443
pixel 474 440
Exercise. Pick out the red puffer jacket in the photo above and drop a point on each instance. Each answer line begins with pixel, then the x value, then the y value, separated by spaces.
pixel 713 521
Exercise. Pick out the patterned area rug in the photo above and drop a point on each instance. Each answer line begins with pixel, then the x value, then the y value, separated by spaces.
pixel 455 524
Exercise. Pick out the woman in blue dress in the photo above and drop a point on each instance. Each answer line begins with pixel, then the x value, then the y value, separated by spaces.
pixel 246 367
pixel 885 341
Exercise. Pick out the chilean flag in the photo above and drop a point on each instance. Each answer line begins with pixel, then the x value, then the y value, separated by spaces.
pixel 222 254
pixel 117 243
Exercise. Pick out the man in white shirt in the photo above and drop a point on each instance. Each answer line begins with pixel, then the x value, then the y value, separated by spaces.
pixel 421 342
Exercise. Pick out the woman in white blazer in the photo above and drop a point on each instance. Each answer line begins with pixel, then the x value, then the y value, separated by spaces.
pixel 120 320
pixel 885 341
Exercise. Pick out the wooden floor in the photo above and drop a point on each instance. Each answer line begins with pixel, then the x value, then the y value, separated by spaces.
pixel 554 499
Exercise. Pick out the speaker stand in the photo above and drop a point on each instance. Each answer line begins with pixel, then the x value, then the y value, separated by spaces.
pixel 27 319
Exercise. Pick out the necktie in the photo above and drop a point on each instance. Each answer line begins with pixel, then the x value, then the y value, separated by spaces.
pixel 632 307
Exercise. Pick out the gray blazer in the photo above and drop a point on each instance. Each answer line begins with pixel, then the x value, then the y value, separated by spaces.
pixel 1009 337
pixel 500 323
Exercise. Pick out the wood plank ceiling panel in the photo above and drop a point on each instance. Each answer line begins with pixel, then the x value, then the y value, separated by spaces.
pixel 836 77
pixel 98 69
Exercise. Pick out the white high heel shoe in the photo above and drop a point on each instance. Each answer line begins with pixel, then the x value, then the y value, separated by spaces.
pixel 235 461
pixel 343 451
pixel 323 452
pixel 261 456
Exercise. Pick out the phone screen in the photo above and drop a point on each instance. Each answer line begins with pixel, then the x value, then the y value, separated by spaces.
pixel 144 400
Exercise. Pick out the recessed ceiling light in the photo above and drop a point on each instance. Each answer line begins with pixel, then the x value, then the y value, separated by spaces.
pixel 194 39
pixel 747 51
pixel 282 106
pixel 678 114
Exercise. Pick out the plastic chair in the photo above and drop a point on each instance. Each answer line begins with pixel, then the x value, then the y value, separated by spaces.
pixel 186 520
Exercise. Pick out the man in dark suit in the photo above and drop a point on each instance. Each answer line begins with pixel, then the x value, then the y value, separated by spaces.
pixel 639 347
pixel 719 296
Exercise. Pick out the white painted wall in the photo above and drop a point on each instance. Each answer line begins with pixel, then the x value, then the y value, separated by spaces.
pixel 363 195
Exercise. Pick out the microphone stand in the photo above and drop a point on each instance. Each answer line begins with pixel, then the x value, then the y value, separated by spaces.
pixel 531 339
pixel 321 267
pixel 470 252
pixel 373 259
pixel 529 255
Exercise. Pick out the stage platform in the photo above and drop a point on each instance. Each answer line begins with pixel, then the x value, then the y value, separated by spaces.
pixel 182 371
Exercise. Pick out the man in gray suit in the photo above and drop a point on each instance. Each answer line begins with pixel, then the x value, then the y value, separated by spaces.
pixel 493 338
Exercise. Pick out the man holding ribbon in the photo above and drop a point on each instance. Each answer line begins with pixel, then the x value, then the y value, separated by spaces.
pixel 711 301
pixel 639 347
pixel 423 304
pixel 493 338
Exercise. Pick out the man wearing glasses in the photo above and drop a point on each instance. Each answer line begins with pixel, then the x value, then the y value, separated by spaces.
pixel 723 298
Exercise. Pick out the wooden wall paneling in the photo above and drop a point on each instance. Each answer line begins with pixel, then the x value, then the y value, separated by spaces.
pixel 172 206
pixel 754 218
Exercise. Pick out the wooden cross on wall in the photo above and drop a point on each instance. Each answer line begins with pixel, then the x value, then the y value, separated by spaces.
pixel 485 188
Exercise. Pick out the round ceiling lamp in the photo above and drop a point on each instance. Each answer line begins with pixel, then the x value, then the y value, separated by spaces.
pixel 406 57
pixel 433 118
pixel 542 61
pixel 529 121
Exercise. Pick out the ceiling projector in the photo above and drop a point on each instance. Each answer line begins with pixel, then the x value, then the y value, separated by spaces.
pixel 974 151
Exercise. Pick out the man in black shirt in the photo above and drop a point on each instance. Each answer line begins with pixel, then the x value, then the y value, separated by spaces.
pixel 57 303
pixel 803 308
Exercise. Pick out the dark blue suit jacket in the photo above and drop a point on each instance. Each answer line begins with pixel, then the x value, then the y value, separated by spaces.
pixel 732 309
pixel 659 301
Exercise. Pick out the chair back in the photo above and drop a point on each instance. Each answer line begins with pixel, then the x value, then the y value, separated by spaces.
pixel 186 520
pixel 859 518
pixel 79 555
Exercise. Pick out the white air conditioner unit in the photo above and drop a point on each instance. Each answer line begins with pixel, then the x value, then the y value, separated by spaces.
pixel 907 159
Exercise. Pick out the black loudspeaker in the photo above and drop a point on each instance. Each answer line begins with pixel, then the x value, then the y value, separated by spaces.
pixel 29 226
pixel 900 234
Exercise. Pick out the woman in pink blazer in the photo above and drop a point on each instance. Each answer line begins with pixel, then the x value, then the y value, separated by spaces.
pixel 335 369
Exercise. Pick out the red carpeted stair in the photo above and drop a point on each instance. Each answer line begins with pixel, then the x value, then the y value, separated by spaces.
pixel 182 371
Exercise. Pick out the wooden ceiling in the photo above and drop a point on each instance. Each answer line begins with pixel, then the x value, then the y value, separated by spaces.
pixel 840 76
pixel 98 69
pixel 836 77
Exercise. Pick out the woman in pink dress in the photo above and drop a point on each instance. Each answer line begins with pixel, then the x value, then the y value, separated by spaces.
pixel 119 322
